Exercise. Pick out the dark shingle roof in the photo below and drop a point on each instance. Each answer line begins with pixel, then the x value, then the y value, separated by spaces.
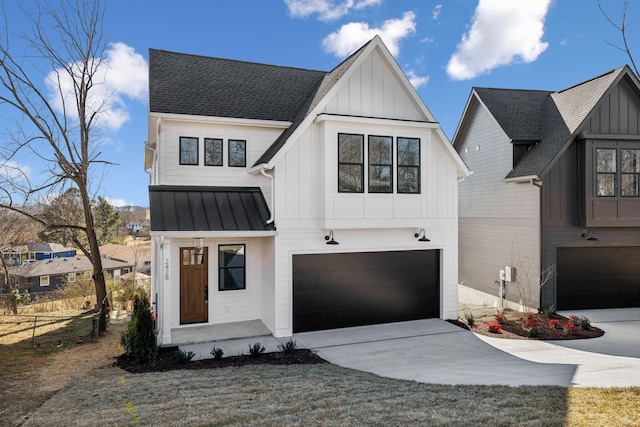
pixel 180 208
pixel 328 81
pixel 552 118
pixel 203 86
pixel 519 112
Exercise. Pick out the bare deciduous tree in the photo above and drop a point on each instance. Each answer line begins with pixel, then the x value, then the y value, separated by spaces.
pixel 622 27
pixel 49 79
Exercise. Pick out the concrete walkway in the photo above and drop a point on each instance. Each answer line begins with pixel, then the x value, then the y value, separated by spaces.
pixel 435 351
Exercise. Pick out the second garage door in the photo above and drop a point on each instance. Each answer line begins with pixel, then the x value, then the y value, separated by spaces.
pixel 353 289
pixel 598 277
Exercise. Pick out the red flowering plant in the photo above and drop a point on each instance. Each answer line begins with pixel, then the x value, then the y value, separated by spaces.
pixel 531 326
pixel 554 324
pixel 500 318
pixel 494 327
pixel 569 328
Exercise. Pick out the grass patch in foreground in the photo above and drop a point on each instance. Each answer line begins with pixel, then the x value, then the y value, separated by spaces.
pixel 318 395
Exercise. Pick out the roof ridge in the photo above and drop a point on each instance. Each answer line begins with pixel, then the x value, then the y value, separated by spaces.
pixel 196 55
pixel 591 79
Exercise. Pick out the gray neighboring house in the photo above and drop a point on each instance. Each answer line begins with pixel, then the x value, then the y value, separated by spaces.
pixel 555 184
pixel 49 275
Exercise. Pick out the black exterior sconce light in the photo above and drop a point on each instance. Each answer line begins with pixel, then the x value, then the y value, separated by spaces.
pixel 198 243
pixel 421 233
pixel 588 235
pixel 330 240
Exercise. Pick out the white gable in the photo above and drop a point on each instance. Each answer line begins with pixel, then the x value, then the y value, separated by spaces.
pixel 373 89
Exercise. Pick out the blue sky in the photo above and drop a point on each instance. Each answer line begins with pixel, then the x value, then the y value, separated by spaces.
pixel 445 47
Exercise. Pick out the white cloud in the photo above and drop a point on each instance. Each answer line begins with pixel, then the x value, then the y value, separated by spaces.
pixel 502 32
pixel 13 171
pixel 122 74
pixel 417 81
pixel 117 202
pixel 327 10
pixel 435 13
pixel 354 34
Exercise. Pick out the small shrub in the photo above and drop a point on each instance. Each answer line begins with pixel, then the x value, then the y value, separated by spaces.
pixel 500 318
pixel 217 353
pixel 470 319
pixel 584 323
pixel 575 320
pixel 569 328
pixel 139 339
pixel 184 357
pixel 530 323
pixel 554 324
pixel 533 332
pixel 550 310
pixel 288 346
pixel 256 349
pixel 493 327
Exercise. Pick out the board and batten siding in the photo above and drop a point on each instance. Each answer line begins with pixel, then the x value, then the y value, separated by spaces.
pixel 373 90
pixel 498 221
pixel 170 172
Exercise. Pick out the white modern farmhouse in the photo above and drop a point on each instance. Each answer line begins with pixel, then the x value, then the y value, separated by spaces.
pixel 286 200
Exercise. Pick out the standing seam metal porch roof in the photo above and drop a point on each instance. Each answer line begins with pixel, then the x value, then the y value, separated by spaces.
pixel 186 208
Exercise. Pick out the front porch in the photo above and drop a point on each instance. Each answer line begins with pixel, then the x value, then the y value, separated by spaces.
pixel 199 333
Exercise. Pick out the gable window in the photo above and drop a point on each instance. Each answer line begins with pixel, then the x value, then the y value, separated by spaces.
pixel 44 280
pixel 212 152
pixel 380 164
pixel 350 163
pixel 188 150
pixel 237 153
pixel 231 267
pixel 408 165
pixel 629 173
pixel 71 277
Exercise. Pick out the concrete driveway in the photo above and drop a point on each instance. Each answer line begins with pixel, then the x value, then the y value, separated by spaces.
pixel 435 351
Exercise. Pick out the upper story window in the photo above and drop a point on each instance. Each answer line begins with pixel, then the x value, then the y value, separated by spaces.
pixel 188 150
pixel 380 164
pixel 350 163
pixel 212 152
pixel 629 173
pixel 617 172
pixel 237 153
pixel 409 165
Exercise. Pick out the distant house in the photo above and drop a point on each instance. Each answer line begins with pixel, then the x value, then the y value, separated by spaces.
pixel 555 188
pixel 138 254
pixel 36 251
pixel 49 275
pixel 286 200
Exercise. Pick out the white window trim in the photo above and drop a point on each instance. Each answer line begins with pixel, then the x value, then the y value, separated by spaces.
pixel 44 281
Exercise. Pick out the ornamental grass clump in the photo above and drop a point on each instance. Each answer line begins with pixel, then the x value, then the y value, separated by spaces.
pixel 471 321
pixel 494 327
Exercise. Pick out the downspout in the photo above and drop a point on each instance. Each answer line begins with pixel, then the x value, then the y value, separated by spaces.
pixel 273 191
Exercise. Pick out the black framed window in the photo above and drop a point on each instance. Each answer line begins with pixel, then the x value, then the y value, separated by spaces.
pixel 212 152
pixel 630 172
pixel 231 267
pixel 188 150
pixel 606 169
pixel 380 164
pixel 350 163
pixel 237 153
pixel 408 165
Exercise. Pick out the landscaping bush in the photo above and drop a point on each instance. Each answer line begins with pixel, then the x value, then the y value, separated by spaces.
pixel 470 319
pixel 217 353
pixel 139 339
pixel 500 318
pixel 288 346
pixel 256 350
pixel 493 327
pixel 184 357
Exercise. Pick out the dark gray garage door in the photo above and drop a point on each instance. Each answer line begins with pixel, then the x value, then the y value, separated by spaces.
pixel 354 289
pixel 598 277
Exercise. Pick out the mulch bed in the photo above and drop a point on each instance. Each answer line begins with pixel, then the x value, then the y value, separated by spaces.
pixel 514 327
pixel 167 360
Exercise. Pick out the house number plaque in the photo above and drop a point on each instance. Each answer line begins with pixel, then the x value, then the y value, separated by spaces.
pixel 166 269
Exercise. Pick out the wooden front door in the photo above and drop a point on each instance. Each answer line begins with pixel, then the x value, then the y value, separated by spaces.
pixel 194 286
